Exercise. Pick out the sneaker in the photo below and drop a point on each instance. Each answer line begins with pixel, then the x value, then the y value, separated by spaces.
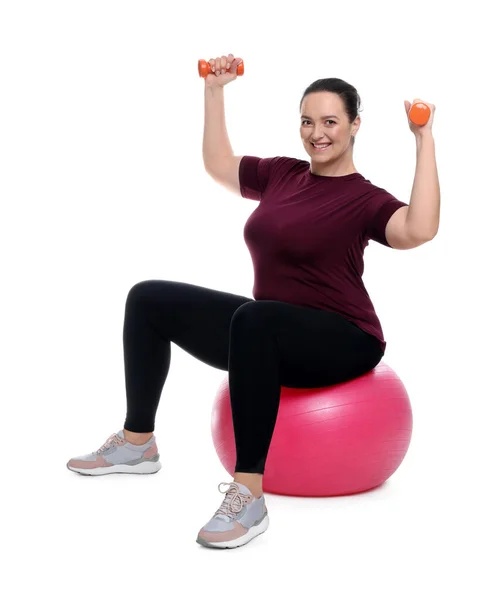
pixel 117 455
pixel 240 518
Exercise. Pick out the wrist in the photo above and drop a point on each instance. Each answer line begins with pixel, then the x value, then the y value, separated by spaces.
pixel 424 135
pixel 213 86
pixel 424 140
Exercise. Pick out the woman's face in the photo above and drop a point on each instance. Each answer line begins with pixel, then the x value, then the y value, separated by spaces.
pixel 323 121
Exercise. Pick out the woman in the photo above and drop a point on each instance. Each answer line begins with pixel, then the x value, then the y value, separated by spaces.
pixel 311 322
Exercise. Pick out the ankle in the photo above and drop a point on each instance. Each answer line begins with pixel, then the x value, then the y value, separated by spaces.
pixel 138 439
pixel 253 481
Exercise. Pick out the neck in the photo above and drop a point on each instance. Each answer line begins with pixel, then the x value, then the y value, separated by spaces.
pixel 343 165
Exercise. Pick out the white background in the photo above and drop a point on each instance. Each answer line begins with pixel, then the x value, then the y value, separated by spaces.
pixel 102 185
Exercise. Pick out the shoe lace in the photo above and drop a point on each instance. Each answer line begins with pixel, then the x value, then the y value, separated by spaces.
pixel 233 502
pixel 111 441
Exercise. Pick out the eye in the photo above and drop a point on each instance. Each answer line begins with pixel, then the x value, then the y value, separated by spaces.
pixel 327 121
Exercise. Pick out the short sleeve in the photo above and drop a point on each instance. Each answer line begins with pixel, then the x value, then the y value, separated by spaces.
pixel 380 209
pixel 254 175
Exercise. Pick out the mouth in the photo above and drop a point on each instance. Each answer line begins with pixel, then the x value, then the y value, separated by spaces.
pixel 320 147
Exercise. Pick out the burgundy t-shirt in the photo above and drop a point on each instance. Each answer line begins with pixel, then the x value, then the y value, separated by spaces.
pixel 308 234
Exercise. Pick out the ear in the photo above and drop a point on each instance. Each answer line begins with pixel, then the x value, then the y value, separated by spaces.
pixel 356 124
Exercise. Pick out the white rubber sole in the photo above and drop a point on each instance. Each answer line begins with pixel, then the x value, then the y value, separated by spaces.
pixel 244 539
pixel 144 468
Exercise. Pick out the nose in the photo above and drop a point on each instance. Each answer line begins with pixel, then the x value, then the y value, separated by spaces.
pixel 317 135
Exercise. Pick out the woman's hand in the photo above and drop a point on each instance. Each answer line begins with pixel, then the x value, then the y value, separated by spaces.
pixel 223 70
pixel 420 129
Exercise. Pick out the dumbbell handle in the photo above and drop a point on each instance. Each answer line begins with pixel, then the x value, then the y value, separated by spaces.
pixel 205 68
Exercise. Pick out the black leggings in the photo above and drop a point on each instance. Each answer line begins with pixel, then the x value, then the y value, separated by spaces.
pixel 263 344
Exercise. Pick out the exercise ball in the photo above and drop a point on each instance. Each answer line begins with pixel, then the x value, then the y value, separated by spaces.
pixel 330 441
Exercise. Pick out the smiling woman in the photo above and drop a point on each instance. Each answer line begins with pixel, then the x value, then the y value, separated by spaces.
pixel 310 322
pixel 329 123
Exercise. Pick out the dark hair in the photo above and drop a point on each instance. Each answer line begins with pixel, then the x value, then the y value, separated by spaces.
pixel 347 93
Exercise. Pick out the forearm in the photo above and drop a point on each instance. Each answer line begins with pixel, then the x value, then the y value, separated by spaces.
pixel 216 144
pixel 423 213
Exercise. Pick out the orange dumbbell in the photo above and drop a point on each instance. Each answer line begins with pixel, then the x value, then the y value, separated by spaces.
pixel 205 68
pixel 419 113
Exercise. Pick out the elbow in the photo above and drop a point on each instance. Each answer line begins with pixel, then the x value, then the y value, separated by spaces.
pixel 210 168
pixel 207 163
pixel 431 235
pixel 423 236
pixel 212 165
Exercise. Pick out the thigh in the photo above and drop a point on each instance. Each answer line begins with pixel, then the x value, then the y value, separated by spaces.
pixel 317 348
pixel 195 318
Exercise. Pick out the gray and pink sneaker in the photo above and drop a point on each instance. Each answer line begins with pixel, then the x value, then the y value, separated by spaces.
pixel 240 518
pixel 117 455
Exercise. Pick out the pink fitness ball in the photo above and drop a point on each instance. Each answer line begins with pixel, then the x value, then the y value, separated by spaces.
pixel 330 441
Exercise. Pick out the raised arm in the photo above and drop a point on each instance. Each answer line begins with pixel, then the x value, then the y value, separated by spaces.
pixel 219 159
